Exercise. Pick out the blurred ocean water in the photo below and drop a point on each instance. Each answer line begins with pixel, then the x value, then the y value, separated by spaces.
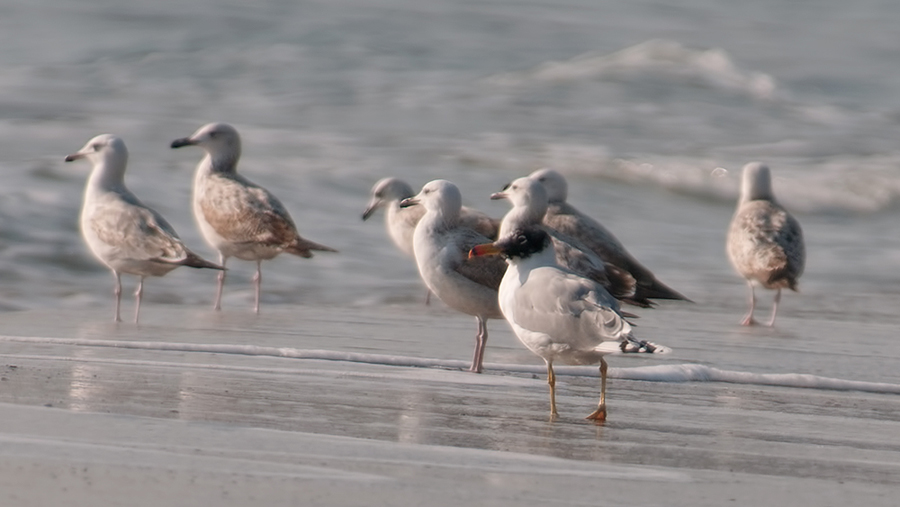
pixel 650 109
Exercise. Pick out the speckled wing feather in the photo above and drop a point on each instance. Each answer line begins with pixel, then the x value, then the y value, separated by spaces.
pixel 765 243
pixel 242 212
pixel 484 270
pixel 566 219
pixel 136 232
pixel 575 256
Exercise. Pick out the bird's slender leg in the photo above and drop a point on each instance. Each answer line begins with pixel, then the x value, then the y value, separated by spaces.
pixel 117 290
pixel 218 304
pixel 257 282
pixel 428 297
pixel 599 415
pixel 748 319
pixel 775 307
pixel 138 294
pixel 480 342
pixel 551 381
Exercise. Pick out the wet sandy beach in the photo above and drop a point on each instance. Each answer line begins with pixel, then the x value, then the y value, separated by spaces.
pixel 193 406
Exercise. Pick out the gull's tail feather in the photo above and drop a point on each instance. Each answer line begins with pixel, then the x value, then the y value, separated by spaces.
pixel 195 261
pixel 635 346
pixel 304 247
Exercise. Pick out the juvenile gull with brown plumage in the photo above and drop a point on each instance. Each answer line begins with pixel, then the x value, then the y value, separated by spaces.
pixel 236 216
pixel 567 219
pixel 441 246
pixel 123 233
pixel 765 243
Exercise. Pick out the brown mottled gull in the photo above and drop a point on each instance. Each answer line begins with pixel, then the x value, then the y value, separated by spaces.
pixel 765 243
pixel 568 220
pixel 441 246
pixel 237 217
pixel 123 233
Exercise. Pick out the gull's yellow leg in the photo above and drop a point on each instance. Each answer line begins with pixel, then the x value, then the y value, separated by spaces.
pixel 599 415
pixel 551 380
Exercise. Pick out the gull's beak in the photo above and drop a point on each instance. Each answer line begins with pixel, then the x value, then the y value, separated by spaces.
pixel 484 249
pixel 374 204
pixel 184 141
pixel 496 196
pixel 409 201
pixel 75 156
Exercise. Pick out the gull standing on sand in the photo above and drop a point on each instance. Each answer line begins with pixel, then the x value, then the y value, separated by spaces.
pixel 557 314
pixel 441 247
pixel 123 233
pixel 568 220
pixel 765 243
pixel 529 204
pixel 237 217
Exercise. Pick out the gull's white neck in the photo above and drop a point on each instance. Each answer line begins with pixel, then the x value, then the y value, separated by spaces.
pixel 107 176
pixel 519 217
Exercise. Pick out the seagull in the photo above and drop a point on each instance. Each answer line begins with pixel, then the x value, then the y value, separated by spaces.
pixel 765 243
pixel 557 314
pixel 529 200
pixel 441 246
pixel 401 222
pixel 236 216
pixel 123 233
pixel 566 219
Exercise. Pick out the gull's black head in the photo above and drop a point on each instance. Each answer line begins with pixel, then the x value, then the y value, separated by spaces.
pixel 521 244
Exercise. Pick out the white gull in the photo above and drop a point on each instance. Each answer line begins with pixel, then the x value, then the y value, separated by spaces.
pixel 765 243
pixel 236 216
pixel 557 314
pixel 567 219
pixel 441 246
pixel 123 233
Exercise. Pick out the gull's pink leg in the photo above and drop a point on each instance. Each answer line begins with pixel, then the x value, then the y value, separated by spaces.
pixel 748 319
pixel 775 308
pixel 117 290
pixel 138 294
pixel 218 304
pixel 480 342
pixel 257 281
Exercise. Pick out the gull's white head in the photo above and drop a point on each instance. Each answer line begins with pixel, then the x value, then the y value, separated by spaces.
pixel 387 190
pixel 438 196
pixel 553 182
pixel 756 183
pixel 528 196
pixel 108 155
pixel 220 140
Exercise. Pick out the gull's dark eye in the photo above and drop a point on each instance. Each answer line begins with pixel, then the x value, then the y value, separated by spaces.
pixel 213 134
pixel 542 179
pixel 96 146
